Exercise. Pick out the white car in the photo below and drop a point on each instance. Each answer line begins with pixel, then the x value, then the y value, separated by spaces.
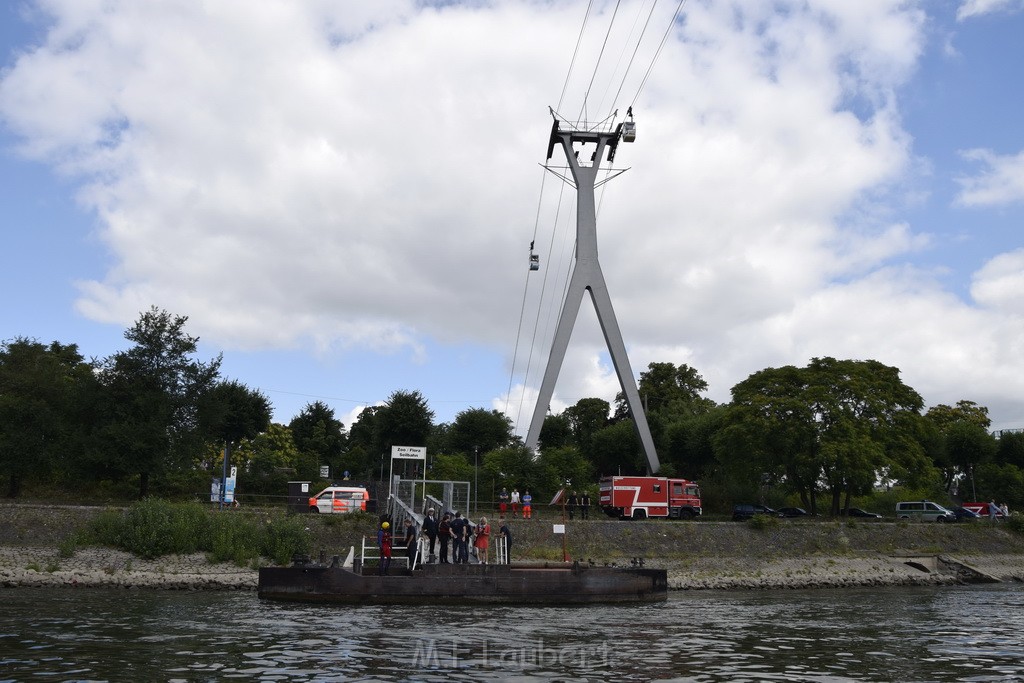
pixel 340 500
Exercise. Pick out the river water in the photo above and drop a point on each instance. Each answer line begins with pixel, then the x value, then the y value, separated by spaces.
pixel 893 634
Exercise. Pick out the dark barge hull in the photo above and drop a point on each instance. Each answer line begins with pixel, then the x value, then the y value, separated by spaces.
pixel 547 584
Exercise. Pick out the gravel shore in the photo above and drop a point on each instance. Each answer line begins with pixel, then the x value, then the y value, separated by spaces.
pixel 20 566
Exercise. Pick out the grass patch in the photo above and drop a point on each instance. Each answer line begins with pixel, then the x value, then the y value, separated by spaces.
pixel 68 547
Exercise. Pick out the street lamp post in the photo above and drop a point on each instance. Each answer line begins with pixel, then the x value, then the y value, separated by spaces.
pixel 476 480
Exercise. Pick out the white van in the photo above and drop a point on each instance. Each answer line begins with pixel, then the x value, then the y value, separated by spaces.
pixel 924 510
pixel 340 499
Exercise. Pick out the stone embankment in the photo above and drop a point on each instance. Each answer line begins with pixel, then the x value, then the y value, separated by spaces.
pixel 698 555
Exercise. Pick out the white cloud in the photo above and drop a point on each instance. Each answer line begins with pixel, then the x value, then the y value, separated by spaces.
pixel 976 8
pixel 1002 181
pixel 327 177
pixel 999 285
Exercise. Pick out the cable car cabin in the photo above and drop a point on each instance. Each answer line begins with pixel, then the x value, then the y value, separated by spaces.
pixel 534 262
pixel 628 131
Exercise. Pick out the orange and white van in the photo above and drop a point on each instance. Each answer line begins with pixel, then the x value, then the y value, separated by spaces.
pixel 340 500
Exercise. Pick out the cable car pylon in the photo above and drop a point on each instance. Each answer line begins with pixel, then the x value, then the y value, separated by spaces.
pixel 587 276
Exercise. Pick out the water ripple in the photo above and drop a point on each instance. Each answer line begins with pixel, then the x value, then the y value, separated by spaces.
pixel 926 634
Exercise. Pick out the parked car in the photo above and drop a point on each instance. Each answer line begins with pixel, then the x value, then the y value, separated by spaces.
pixel 857 512
pixel 340 500
pixel 923 510
pixel 965 515
pixel 795 512
pixel 744 511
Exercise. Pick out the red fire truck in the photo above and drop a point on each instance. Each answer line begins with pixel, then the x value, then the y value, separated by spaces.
pixel 642 497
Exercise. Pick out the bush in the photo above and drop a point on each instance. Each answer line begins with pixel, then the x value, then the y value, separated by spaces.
pixel 763 522
pixel 152 528
pixel 283 538
pixel 233 538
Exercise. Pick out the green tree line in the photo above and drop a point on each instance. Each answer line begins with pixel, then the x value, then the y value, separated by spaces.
pixel 156 420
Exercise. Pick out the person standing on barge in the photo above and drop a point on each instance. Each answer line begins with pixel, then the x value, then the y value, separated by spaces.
pixel 506 534
pixel 483 540
pixel 444 532
pixel 430 529
pixel 460 531
pixel 384 543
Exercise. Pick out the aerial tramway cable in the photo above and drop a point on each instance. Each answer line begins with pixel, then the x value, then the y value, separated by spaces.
pixel 572 62
pixel 597 63
pixel 636 49
pixel 664 39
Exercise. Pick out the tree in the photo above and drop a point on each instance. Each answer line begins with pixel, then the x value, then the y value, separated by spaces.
pixel 769 435
pixel 562 465
pixel 1011 448
pixel 669 391
pixel 513 467
pixel 964 439
pixel 151 396
pixel 1003 483
pixel 556 432
pixel 836 424
pixel 967 445
pixel 476 431
pixel 229 413
pixel 689 445
pixel 41 393
pixel 404 420
pixel 964 411
pixel 365 453
pixel 586 417
pixel 615 449
pixel 318 434
pixel 270 459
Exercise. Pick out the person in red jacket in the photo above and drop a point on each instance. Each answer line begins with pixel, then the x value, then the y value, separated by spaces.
pixel 384 543
pixel 483 539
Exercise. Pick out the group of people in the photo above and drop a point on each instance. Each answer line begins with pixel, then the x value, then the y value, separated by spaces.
pixel 525 501
pixel 998 511
pixel 452 531
pixel 581 502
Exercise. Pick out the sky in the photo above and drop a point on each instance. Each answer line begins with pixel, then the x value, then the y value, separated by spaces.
pixel 341 196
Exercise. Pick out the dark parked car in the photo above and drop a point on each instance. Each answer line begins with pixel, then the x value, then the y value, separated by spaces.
pixel 857 512
pixel 795 512
pixel 745 511
pixel 965 515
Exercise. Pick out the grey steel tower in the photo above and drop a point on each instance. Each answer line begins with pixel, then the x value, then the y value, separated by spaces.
pixel 587 274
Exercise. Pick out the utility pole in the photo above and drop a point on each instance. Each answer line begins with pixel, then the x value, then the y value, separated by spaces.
pixel 587 276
